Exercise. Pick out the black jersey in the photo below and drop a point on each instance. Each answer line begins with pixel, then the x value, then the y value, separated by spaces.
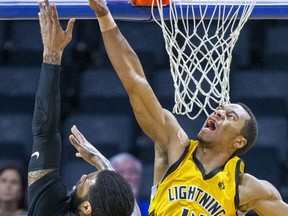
pixel 49 197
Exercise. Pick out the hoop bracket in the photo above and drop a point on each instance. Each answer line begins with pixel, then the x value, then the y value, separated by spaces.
pixel 150 2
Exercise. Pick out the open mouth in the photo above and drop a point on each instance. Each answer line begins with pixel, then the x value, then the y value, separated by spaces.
pixel 210 125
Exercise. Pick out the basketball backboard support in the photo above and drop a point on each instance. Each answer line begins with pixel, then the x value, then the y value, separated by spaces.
pixel 123 9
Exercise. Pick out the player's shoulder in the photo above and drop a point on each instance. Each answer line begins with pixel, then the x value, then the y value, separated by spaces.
pixel 248 181
pixel 254 186
pixel 252 189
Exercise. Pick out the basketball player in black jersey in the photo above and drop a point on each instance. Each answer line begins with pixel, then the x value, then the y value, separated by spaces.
pixel 103 192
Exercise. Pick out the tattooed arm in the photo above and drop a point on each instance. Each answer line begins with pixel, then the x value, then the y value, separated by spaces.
pixel 33 176
pixel 47 142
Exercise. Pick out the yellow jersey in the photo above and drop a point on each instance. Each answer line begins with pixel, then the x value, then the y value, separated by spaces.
pixel 185 190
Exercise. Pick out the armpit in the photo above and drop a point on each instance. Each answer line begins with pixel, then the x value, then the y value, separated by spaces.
pixel 183 138
pixel 33 176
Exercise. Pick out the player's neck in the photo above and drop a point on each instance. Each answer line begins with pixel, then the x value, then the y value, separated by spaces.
pixel 211 158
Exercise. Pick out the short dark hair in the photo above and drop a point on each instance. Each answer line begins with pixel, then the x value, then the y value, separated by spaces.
pixel 12 165
pixel 249 131
pixel 111 195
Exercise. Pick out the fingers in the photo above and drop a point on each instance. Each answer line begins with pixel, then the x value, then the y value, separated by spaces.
pixel 41 7
pixel 45 12
pixel 70 27
pixel 47 7
pixel 78 134
pixel 40 20
pixel 56 27
pixel 44 17
pixel 40 14
pixel 77 139
pixel 74 141
pixel 54 14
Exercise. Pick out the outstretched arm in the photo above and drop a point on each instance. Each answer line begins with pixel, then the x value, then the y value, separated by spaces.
pixel 159 124
pixel 261 196
pixel 91 155
pixel 129 69
pixel 47 141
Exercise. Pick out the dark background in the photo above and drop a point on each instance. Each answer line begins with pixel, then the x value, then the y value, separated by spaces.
pixel 94 99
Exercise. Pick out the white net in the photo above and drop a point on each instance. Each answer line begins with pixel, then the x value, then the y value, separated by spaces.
pixel 200 36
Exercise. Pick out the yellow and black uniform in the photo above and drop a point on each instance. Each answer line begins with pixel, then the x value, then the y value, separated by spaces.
pixel 185 190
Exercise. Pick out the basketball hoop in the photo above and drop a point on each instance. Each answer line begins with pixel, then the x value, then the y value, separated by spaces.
pixel 199 37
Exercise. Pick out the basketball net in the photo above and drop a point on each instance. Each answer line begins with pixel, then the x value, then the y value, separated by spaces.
pixel 199 37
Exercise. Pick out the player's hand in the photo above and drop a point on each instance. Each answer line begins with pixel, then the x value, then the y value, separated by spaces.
pixel 99 6
pixel 87 151
pixel 53 37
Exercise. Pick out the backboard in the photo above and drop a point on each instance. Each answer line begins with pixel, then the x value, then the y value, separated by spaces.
pixel 124 10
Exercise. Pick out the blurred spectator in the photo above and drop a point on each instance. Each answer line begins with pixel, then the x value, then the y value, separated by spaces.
pixel 13 186
pixel 131 169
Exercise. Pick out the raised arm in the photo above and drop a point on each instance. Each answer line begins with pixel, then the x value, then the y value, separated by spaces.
pixel 147 109
pixel 261 196
pixel 47 142
pixel 159 124
pixel 91 155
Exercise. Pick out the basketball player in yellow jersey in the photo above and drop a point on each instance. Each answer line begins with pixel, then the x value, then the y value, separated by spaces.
pixel 187 190
pixel 194 178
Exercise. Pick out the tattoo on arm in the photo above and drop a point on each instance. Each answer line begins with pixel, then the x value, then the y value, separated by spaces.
pixel 33 176
pixel 53 57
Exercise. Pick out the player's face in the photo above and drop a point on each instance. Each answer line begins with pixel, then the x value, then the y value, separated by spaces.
pixel 224 125
pixel 83 185
pixel 10 186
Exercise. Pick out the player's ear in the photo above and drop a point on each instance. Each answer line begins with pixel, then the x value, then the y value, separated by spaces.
pixel 240 142
pixel 85 208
